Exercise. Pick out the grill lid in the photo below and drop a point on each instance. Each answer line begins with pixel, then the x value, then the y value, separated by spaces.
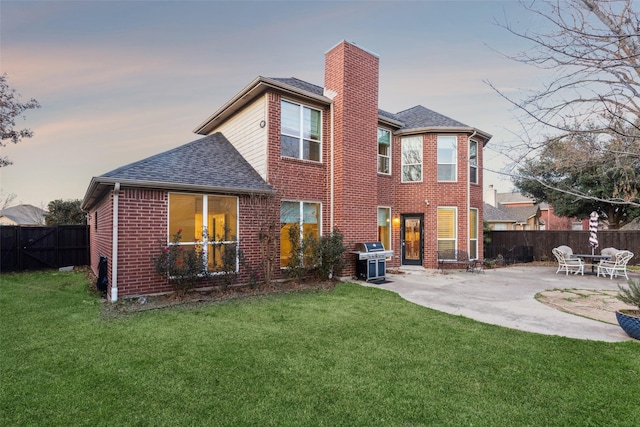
pixel 369 247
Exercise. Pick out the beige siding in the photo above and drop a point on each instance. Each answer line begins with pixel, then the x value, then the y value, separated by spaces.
pixel 7 221
pixel 244 131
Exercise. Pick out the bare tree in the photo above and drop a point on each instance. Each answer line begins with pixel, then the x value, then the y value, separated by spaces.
pixel 6 199
pixel 593 51
pixel 266 209
pixel 10 108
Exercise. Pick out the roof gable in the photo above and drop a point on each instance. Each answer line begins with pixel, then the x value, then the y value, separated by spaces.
pixel 522 213
pixel 417 118
pixel 493 214
pixel 207 164
pixel 211 160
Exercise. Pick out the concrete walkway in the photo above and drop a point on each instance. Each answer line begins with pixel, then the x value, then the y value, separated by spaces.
pixel 505 297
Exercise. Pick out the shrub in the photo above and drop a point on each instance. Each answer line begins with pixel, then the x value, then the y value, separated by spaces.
pixel 229 256
pixel 255 273
pixel 183 268
pixel 331 249
pixel 630 295
pixel 324 255
pixel 295 263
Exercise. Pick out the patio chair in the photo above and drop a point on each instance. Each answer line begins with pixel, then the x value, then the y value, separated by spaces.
pixel 617 264
pixel 567 251
pixel 566 264
pixel 609 252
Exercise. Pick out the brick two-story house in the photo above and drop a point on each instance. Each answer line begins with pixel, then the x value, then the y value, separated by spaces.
pixel 284 151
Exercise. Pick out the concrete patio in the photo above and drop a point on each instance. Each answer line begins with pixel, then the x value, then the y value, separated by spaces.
pixel 507 297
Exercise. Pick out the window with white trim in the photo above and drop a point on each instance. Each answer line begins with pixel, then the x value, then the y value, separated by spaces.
pixel 205 222
pixel 384 227
pixel 412 159
pixel 447 228
pixel 306 215
pixel 473 162
pixel 447 157
pixel 384 151
pixel 473 233
pixel 301 133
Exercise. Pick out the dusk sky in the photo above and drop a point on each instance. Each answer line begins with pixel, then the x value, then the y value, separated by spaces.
pixel 121 81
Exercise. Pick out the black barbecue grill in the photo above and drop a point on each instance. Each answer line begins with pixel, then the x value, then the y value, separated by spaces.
pixel 371 260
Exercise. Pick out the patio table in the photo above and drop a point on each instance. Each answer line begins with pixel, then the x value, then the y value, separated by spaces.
pixel 591 259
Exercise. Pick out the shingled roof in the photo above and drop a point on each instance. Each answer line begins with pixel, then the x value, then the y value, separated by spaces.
pixel 493 214
pixel 300 84
pixel 208 164
pixel 23 215
pixel 417 117
pixel 421 117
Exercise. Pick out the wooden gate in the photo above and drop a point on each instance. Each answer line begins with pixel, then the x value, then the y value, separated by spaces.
pixel 40 248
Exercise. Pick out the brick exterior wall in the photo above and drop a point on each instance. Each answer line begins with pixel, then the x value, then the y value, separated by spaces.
pixel 553 222
pixel 358 189
pixel 142 230
pixel 100 234
pixel 410 198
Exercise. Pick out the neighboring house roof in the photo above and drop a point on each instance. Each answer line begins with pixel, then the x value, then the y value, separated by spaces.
pixel 209 164
pixel 507 198
pixel 521 213
pixel 517 214
pixel 633 225
pixel 417 119
pixel 493 214
pixel 22 215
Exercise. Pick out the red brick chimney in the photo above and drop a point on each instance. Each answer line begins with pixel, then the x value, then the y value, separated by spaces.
pixel 352 73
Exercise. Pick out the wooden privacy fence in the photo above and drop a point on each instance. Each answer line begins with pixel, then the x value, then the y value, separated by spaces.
pixel 543 242
pixel 39 248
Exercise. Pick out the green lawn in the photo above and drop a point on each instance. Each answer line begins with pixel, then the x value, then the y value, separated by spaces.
pixel 352 356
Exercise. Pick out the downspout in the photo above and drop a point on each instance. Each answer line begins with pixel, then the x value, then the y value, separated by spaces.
pixel 114 245
pixel 469 191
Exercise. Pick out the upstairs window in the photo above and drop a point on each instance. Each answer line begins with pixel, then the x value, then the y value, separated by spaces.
pixel 384 151
pixel 300 132
pixel 412 159
pixel 473 162
pixel 447 158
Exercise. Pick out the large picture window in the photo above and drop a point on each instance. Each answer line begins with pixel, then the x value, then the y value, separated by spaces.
pixel 473 162
pixel 300 129
pixel 384 227
pixel 384 151
pixel 304 214
pixel 447 228
pixel 412 159
pixel 447 158
pixel 473 233
pixel 206 222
